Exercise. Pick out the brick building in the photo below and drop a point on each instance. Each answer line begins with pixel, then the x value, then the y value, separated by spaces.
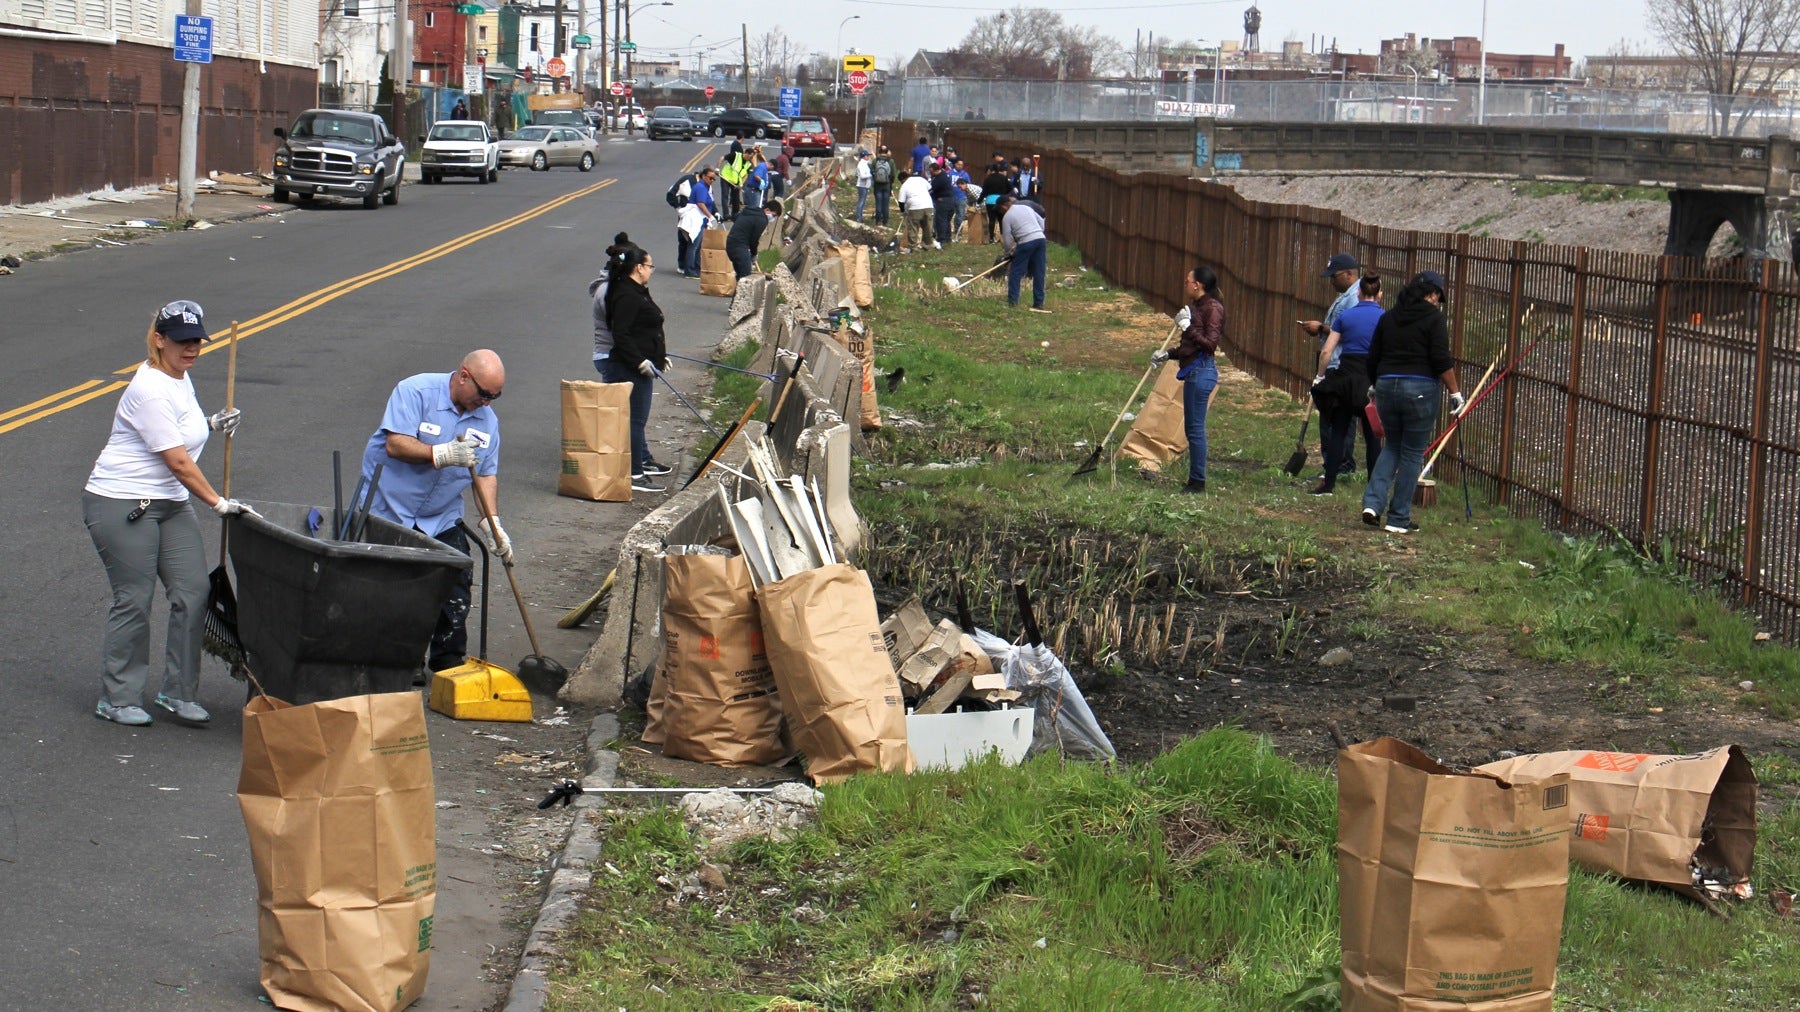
pixel 1460 58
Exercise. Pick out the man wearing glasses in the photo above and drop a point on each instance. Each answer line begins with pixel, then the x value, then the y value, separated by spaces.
pixel 438 436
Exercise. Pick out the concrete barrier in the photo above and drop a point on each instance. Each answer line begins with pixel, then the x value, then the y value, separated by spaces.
pixel 814 436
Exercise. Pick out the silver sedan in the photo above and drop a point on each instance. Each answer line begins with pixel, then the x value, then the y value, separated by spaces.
pixel 539 147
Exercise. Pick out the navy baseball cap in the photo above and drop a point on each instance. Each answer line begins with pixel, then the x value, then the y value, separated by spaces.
pixel 181 320
pixel 1339 262
pixel 1434 279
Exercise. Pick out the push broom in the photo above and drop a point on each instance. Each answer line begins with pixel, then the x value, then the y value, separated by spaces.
pixel 219 632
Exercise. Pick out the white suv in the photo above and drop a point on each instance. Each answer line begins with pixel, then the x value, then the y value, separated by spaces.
pixel 459 147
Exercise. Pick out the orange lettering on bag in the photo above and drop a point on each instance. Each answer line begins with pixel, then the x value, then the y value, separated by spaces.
pixel 1592 827
pixel 1617 762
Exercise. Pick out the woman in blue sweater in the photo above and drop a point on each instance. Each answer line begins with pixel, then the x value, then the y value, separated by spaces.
pixel 1341 386
pixel 1409 355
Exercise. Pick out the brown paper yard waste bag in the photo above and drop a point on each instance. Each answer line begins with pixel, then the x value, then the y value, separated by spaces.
pixel 717 275
pixel 1450 885
pixel 596 441
pixel 1159 433
pixel 721 706
pixel 1654 817
pixel 838 690
pixel 857 340
pixel 337 798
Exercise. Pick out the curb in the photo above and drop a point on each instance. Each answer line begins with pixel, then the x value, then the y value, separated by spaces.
pixel 574 869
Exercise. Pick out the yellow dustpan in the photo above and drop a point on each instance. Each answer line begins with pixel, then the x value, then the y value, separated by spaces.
pixel 477 690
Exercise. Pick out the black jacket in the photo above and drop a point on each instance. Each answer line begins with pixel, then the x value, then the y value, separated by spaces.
pixel 637 324
pixel 942 188
pixel 995 185
pixel 1411 340
pixel 747 229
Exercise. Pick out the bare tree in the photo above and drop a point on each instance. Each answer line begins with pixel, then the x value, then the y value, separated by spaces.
pixel 1738 48
pixel 1020 43
pixel 771 52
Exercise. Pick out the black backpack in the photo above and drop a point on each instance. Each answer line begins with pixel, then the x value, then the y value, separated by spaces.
pixel 675 197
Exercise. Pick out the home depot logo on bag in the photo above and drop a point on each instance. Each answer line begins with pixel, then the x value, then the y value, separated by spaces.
pixel 1614 762
pixel 1592 827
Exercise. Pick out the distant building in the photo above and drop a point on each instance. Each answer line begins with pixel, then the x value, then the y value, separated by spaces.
pixel 1460 58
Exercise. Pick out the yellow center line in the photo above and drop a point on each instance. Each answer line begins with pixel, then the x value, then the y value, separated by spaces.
pixel 699 157
pixel 303 304
pixel 64 406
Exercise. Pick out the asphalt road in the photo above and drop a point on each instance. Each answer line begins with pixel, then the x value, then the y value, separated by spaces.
pixel 125 879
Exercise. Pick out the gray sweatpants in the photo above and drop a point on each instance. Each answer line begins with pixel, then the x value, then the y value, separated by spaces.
pixel 162 544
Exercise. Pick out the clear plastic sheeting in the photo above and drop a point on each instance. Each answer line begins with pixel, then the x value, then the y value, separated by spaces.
pixel 1063 721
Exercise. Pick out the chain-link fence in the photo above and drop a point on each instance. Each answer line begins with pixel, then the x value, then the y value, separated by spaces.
pixel 1332 100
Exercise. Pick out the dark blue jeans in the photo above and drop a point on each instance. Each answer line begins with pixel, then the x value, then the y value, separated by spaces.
pixel 862 201
pixel 883 191
pixel 612 372
pixel 1196 395
pixel 941 213
pixel 1409 407
pixel 1028 256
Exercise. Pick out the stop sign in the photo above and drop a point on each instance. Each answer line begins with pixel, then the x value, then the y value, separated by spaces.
pixel 709 91
pixel 618 88
pixel 859 81
pixel 556 67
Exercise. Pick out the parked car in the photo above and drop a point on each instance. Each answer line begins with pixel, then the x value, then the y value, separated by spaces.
pixel 628 117
pixel 539 147
pixel 340 153
pixel 670 121
pixel 459 147
pixel 701 113
pixel 746 123
pixel 810 135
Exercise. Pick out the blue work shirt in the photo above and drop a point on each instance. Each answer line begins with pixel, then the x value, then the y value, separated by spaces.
pixel 1347 298
pixel 701 194
pixel 419 495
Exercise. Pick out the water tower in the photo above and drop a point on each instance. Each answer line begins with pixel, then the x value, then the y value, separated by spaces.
pixel 1253 30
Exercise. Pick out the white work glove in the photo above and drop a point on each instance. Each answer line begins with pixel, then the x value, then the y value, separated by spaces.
pixel 497 540
pixel 1159 356
pixel 1320 378
pixel 231 507
pixel 1456 404
pixel 647 368
pixel 225 421
pixel 1182 318
pixel 455 453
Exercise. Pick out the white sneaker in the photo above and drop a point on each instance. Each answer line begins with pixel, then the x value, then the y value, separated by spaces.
pixel 191 712
pixel 133 716
pixel 936 245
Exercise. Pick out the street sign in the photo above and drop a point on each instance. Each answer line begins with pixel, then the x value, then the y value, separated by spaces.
pixel 790 102
pixel 583 42
pixel 193 38
pixel 859 61
pixel 709 91
pixel 473 10
pixel 617 88
pixel 627 47
pixel 556 67
pixel 859 82
pixel 474 77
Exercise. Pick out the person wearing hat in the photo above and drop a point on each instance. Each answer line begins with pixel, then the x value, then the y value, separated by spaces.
pixel 1409 356
pixel 438 436
pixel 138 510
pixel 1343 271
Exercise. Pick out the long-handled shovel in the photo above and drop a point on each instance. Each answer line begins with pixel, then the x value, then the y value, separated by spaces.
pixel 1092 463
pixel 540 674
pixel 220 632
pixel 1296 461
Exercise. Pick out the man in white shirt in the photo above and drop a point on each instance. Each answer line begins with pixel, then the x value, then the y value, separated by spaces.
pixel 915 208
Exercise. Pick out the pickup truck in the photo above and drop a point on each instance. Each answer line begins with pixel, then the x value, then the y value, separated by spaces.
pixel 341 154
pixel 459 147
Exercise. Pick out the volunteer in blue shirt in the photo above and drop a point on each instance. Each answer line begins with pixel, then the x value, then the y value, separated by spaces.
pixel 437 437
pixel 920 153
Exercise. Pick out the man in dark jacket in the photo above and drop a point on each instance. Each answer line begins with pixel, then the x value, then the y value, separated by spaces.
pixel 943 202
pixel 746 233
pixel 993 187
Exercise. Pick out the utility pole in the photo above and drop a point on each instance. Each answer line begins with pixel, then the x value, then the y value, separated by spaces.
pixel 400 64
pixel 580 54
pixel 747 88
pixel 190 132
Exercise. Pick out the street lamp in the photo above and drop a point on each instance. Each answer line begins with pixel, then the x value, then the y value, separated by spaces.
pixel 1414 110
pixel 837 58
pixel 630 124
pixel 1481 99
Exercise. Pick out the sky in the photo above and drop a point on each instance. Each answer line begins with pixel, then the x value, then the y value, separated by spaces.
pixel 887 28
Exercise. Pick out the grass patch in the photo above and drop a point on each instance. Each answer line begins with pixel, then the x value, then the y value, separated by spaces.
pixel 1591 193
pixel 1204 878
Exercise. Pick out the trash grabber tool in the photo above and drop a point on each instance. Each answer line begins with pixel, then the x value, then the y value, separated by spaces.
pixel 771 377
pixel 1092 463
pixel 684 401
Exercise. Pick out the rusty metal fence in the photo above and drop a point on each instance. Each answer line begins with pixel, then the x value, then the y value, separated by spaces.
pixel 1657 398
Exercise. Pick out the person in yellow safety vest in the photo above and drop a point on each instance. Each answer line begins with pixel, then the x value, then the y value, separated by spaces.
pixel 732 171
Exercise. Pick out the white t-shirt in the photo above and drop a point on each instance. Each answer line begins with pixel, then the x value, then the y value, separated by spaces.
pixel 156 412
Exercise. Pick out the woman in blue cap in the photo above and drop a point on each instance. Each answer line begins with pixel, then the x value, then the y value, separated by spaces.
pixel 1409 356
pixel 138 510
